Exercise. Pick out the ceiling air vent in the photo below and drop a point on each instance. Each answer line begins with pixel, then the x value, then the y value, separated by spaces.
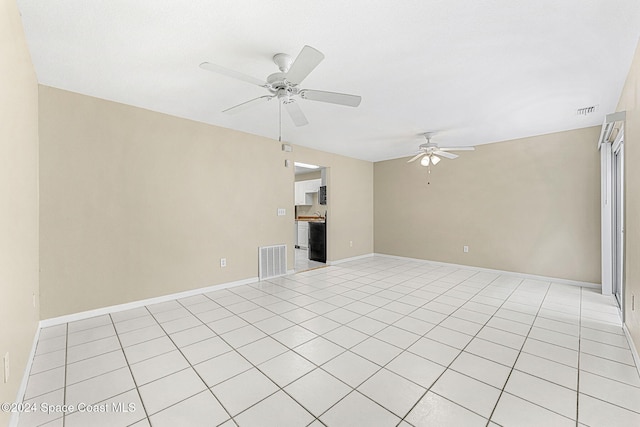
pixel 585 111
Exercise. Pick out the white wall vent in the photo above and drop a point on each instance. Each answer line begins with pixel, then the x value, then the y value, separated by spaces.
pixel 585 111
pixel 272 261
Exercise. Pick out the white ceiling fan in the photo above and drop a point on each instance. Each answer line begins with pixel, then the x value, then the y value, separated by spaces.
pixel 284 85
pixel 430 151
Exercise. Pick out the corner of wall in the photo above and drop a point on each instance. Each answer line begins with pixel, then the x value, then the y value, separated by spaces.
pixel 19 220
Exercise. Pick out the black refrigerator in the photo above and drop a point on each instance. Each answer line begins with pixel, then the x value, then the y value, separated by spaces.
pixel 318 241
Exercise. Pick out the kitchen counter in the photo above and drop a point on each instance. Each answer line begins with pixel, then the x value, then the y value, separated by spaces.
pixel 310 218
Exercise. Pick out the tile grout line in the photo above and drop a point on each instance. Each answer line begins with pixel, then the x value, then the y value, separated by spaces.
pixel 259 370
pixel 457 356
pixel 595 374
pixel 408 315
pixel 320 366
pixel 190 366
pixel 461 350
pixel 248 361
pixel 135 383
pixel 579 359
pixel 519 352
pixel 453 285
pixel 66 359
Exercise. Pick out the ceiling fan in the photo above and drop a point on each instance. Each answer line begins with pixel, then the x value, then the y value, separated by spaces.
pixel 284 85
pixel 430 151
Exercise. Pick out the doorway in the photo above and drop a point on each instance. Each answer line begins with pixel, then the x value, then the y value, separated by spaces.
pixel 310 189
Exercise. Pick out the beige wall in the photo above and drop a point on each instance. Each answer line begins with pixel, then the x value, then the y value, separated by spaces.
pixel 137 204
pixel 630 101
pixel 529 206
pixel 18 198
pixel 308 176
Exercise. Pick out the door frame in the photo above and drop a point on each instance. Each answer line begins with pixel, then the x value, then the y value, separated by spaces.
pixel 612 132
pixel 617 231
pixel 611 148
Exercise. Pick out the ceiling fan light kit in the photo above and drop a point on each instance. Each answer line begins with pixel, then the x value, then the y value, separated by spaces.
pixel 283 85
pixel 431 153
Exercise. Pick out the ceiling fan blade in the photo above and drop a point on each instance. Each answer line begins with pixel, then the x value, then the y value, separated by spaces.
pixel 307 60
pixel 331 97
pixel 413 159
pixel 445 154
pixel 248 104
pixel 457 148
pixel 232 73
pixel 296 113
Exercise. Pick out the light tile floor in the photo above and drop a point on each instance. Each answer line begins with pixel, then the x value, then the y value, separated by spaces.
pixel 302 261
pixel 374 342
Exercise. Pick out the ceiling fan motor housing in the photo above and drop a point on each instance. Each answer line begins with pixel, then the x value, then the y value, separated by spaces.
pixel 429 146
pixel 283 61
pixel 276 80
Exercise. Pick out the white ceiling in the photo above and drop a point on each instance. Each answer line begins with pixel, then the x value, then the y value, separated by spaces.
pixel 476 71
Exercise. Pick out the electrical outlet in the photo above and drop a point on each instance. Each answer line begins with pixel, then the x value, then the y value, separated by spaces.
pixel 6 367
pixel 465 249
pixel 350 243
pixel 223 262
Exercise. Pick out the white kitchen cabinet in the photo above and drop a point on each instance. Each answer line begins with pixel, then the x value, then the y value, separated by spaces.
pixel 300 193
pixel 303 234
pixel 312 185
pixel 304 191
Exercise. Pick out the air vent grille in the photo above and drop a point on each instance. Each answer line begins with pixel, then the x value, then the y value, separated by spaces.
pixel 585 111
pixel 272 261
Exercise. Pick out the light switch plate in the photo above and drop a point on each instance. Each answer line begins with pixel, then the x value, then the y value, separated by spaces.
pixel 282 212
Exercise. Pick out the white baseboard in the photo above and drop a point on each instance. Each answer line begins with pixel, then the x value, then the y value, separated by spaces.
pixel 354 258
pixel 140 303
pixel 13 421
pixel 634 349
pixel 511 273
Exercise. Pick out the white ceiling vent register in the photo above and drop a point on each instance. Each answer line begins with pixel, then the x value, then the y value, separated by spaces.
pixel 585 111
pixel 272 261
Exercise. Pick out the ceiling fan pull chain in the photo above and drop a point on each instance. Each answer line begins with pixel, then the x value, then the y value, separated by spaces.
pixel 279 121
